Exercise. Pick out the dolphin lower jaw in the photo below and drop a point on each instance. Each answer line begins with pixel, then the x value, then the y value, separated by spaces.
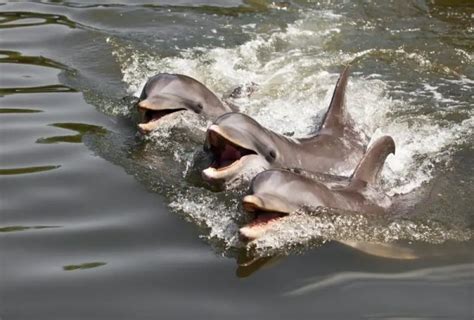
pixel 229 157
pixel 265 214
pixel 224 173
pixel 250 233
pixel 262 222
pixel 150 118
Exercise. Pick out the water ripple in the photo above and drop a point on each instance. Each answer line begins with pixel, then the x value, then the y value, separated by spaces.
pixel 27 170
pixel 39 89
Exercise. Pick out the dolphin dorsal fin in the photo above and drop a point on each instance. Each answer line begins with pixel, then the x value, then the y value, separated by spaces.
pixel 333 121
pixel 369 167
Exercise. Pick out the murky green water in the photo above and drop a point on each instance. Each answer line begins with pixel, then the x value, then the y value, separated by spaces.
pixel 97 223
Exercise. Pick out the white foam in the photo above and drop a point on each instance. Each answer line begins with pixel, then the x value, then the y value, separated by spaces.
pixel 300 230
pixel 212 214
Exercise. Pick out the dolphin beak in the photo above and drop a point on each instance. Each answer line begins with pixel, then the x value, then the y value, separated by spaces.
pixel 146 128
pixel 251 233
pixel 229 157
pixel 251 203
pixel 215 128
pixel 145 104
pixel 267 210
pixel 266 203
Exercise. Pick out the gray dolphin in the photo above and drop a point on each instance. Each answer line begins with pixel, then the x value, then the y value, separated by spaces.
pixel 166 94
pixel 276 193
pixel 241 147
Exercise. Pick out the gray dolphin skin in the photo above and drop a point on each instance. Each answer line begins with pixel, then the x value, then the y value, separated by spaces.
pixel 277 193
pixel 241 147
pixel 170 94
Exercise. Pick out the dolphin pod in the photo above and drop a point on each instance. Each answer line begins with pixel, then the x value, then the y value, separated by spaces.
pixel 286 174
pixel 240 147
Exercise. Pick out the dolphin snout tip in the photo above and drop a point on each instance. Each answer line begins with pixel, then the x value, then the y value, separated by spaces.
pixel 248 234
pixel 243 235
pixel 213 127
pixel 251 203
pixel 208 174
pixel 144 104
pixel 144 128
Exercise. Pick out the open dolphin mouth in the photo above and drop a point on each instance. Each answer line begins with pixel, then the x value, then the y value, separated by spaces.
pixel 262 218
pixel 228 156
pixel 149 118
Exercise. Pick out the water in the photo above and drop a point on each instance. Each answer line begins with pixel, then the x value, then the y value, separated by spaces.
pixel 97 223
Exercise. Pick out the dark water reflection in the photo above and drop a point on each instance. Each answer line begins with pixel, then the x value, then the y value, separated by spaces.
pixel 82 238
pixel 80 128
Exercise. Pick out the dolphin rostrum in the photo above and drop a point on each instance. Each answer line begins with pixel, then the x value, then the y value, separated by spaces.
pixel 241 147
pixel 165 94
pixel 277 193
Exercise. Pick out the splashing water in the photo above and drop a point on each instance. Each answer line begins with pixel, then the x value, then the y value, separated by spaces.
pixel 291 67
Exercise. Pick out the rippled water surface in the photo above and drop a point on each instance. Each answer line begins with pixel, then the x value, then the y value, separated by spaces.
pixel 98 223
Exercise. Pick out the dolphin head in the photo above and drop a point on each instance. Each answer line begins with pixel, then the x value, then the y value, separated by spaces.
pixel 240 147
pixel 167 96
pixel 275 194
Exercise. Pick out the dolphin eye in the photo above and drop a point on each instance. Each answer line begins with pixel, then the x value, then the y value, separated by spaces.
pixel 271 156
pixel 199 108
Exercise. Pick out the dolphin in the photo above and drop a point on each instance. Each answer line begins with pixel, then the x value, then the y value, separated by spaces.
pixel 240 147
pixel 277 193
pixel 168 94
